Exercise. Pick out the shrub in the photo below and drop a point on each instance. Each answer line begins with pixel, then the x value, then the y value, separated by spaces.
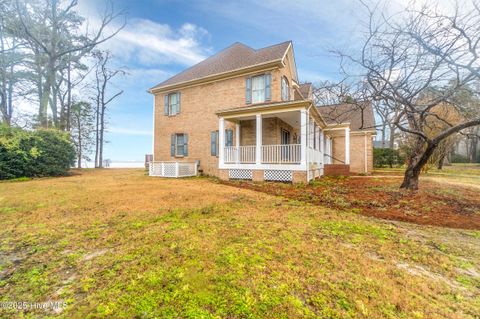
pixel 34 153
pixel 387 157
pixel 458 158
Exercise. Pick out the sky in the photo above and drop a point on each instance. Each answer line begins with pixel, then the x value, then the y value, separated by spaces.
pixel 164 37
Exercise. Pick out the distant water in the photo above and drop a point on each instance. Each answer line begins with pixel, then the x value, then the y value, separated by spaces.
pixel 117 164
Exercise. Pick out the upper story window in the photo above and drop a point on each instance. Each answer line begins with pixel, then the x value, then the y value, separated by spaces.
pixel 285 89
pixel 258 88
pixel 172 103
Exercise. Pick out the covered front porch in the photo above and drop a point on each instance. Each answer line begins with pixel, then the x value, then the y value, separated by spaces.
pixel 283 142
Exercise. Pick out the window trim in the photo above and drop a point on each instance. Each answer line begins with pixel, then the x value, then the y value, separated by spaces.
pixel 177 145
pixel 285 88
pixel 267 88
pixel 169 99
pixel 263 90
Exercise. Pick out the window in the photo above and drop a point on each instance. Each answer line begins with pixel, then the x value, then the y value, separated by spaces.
pixel 214 141
pixel 179 145
pixel 172 104
pixel 258 88
pixel 285 89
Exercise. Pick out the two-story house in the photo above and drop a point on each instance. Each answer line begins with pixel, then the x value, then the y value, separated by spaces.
pixel 243 114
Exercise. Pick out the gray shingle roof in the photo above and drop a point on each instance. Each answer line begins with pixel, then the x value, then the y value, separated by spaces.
pixel 306 90
pixel 360 115
pixel 236 56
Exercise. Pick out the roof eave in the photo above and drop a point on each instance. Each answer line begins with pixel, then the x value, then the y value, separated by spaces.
pixel 217 76
pixel 263 107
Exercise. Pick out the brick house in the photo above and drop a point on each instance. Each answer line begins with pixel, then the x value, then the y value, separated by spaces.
pixel 242 113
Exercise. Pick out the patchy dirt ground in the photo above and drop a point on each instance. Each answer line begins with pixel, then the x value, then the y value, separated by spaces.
pixel 436 203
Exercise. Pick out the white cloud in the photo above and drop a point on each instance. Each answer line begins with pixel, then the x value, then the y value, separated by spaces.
pixel 151 43
pixel 143 41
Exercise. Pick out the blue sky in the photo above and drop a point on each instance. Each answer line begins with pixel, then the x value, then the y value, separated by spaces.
pixel 163 37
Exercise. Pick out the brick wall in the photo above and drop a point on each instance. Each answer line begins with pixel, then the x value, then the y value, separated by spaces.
pixel 271 129
pixel 357 151
pixel 197 118
pixel 336 170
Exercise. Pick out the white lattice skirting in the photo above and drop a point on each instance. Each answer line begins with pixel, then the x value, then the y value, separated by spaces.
pixel 278 175
pixel 172 169
pixel 240 174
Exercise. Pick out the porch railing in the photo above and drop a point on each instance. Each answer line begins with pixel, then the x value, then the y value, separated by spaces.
pixel 241 154
pixel 288 153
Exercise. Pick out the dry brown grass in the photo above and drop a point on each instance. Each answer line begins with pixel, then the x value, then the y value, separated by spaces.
pixel 116 243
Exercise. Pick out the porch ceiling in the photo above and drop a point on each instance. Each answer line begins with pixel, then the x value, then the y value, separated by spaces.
pixel 292 118
pixel 264 108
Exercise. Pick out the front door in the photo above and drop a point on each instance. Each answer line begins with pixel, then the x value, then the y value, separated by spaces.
pixel 285 140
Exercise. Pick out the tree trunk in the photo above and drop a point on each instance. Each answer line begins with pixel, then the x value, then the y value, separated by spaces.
pixel 416 161
pixel 473 149
pixel 69 93
pixel 102 129
pixel 46 91
pixel 392 137
pixel 441 161
pixel 384 128
pixel 79 127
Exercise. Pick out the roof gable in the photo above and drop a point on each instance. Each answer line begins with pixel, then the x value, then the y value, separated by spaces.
pixel 235 57
pixel 360 116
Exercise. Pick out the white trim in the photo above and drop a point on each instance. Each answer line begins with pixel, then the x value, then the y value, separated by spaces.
pixel 347 146
pixel 153 131
pixel 365 154
pixel 281 167
pixel 237 139
pixel 303 137
pixel 258 139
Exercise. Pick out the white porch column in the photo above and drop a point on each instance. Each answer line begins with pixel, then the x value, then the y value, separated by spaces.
pixel 347 146
pixel 303 137
pixel 322 145
pixel 237 140
pixel 258 139
pixel 221 141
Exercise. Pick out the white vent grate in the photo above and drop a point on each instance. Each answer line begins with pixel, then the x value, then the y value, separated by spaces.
pixel 186 169
pixel 173 169
pixel 169 170
pixel 240 174
pixel 278 175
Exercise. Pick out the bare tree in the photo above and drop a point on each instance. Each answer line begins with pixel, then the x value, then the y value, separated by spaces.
pixel 416 60
pixel 52 27
pixel 356 94
pixel 103 79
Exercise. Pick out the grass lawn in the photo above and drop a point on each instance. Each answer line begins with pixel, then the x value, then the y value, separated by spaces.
pixel 119 244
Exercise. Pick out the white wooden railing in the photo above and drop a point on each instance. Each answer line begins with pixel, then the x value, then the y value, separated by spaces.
pixel 173 169
pixel 241 154
pixel 289 153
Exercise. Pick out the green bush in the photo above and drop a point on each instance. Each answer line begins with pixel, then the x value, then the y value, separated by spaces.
pixel 34 153
pixel 387 157
pixel 458 158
